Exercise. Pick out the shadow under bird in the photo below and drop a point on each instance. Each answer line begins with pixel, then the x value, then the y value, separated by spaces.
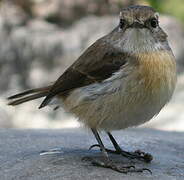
pixel 122 80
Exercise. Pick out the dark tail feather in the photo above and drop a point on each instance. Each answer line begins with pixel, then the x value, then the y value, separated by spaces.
pixel 28 95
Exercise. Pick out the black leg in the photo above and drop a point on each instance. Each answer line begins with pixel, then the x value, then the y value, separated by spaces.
pixel 107 163
pixel 131 155
pixel 116 146
pixel 102 147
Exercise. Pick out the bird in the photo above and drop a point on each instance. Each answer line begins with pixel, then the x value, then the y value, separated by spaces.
pixel 122 80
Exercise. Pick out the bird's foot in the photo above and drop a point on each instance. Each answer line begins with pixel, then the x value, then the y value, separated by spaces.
pixel 107 163
pixel 51 151
pixel 140 155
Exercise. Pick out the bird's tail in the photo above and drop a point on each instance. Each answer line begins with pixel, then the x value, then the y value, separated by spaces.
pixel 28 95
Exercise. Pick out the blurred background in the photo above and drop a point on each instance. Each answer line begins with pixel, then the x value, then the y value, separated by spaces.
pixel 39 39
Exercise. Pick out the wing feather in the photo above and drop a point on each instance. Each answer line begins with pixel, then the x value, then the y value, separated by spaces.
pixel 96 64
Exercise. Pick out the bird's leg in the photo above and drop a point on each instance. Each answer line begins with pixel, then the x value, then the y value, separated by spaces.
pixel 107 163
pixel 131 155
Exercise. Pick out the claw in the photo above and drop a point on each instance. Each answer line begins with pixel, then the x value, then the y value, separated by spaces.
pixel 108 150
pixel 146 169
pixel 94 145
pixel 138 154
pixel 109 165
pixel 146 156
pixel 125 169
pixel 140 170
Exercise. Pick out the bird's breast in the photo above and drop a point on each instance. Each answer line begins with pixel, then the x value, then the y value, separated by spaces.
pixel 150 87
pixel 157 73
pixel 128 100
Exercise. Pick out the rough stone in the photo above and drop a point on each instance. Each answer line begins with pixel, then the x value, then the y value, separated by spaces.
pixel 64 12
pixel 20 159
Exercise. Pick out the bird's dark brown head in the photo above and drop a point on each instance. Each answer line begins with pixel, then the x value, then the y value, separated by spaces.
pixel 139 30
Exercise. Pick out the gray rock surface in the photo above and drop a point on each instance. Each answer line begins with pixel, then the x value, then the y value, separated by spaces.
pixel 20 159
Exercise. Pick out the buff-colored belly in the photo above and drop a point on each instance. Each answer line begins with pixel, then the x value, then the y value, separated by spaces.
pixel 143 94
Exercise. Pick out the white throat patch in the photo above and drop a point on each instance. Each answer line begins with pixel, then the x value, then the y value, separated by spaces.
pixel 138 40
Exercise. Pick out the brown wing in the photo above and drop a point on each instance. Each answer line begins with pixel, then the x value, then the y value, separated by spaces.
pixel 96 64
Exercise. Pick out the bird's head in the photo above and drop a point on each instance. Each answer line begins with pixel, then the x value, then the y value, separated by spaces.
pixel 139 30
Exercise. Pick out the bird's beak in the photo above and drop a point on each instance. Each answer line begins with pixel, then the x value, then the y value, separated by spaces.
pixel 137 24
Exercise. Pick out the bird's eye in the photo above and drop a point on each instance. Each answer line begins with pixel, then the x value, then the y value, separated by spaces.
pixel 122 23
pixel 154 22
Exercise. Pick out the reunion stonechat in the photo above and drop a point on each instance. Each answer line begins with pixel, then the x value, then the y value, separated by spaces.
pixel 124 79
